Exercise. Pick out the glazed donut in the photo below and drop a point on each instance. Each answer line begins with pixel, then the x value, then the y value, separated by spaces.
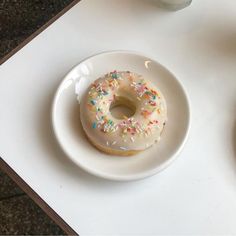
pixel 128 135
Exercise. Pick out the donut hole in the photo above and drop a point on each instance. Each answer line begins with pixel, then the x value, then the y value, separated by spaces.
pixel 122 107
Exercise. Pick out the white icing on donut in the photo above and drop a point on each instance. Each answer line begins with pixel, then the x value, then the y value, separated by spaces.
pixel 138 132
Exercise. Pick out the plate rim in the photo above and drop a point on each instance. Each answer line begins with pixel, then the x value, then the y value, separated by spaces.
pixel 105 175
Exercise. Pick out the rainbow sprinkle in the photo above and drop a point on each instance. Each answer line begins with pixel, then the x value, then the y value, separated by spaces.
pixel 128 126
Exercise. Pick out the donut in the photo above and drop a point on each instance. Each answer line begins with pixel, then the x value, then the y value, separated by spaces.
pixel 123 136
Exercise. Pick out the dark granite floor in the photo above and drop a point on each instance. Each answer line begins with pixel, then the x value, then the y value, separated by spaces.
pixel 18 20
pixel 19 214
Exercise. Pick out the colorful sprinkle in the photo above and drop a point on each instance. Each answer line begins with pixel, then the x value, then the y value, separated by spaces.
pixel 93 102
pixel 129 127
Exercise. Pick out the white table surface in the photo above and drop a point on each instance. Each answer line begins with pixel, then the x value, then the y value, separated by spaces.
pixel 197 193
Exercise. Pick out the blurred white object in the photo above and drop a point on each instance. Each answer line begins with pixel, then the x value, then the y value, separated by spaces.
pixel 174 4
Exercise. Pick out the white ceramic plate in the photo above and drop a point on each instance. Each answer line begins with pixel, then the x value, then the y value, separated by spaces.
pixel 69 133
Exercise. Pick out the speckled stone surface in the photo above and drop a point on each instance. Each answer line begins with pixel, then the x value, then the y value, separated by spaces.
pixel 8 188
pixel 18 20
pixel 20 215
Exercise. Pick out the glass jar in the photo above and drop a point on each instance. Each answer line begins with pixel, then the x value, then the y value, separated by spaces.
pixel 174 4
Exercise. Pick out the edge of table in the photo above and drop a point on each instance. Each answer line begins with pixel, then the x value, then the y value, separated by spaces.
pixel 37 32
pixel 6 168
